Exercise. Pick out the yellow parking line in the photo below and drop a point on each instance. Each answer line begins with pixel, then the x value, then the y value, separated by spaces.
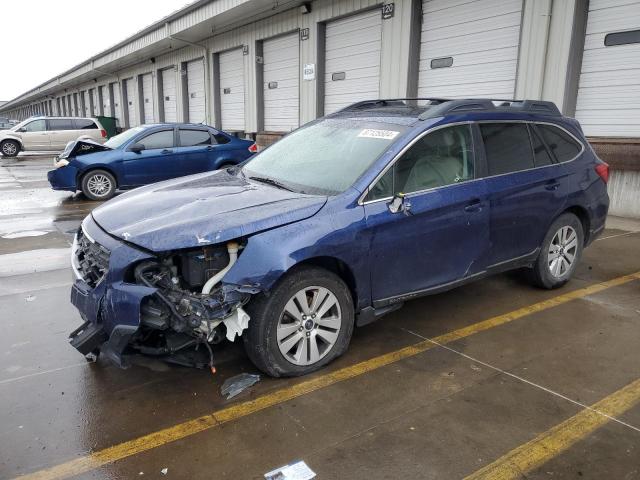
pixel 522 460
pixel 234 412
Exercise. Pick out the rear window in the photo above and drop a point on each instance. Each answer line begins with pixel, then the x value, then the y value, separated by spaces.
pixel 220 139
pixel 507 147
pixel 85 124
pixel 194 138
pixel 561 144
pixel 61 124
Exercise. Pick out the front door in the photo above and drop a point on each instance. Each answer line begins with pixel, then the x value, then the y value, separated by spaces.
pixel 35 136
pixel 441 234
pixel 158 161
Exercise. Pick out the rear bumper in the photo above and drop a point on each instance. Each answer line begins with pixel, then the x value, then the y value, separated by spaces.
pixel 598 214
pixel 63 178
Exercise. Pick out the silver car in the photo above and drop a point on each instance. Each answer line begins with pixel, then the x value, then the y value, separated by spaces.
pixel 49 134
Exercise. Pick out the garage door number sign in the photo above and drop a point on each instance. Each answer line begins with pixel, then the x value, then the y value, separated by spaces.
pixel 388 10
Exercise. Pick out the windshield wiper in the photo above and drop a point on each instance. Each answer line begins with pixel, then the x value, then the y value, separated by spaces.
pixel 271 181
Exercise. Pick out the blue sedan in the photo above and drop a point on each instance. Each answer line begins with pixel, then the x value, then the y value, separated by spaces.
pixel 143 155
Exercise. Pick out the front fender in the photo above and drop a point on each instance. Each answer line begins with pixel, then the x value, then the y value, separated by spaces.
pixel 336 232
pixel 11 136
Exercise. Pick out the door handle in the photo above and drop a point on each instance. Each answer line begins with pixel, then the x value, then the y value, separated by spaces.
pixel 552 185
pixel 473 206
pixel 209 148
pixel 166 150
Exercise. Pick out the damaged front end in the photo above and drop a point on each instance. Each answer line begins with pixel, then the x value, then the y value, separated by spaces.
pixel 172 306
pixel 190 310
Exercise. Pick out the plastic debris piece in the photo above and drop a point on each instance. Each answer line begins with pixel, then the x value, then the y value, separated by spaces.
pixel 164 471
pixel 238 383
pixel 236 323
pixel 295 471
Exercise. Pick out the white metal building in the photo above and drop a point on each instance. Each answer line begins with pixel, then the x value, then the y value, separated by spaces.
pixel 254 66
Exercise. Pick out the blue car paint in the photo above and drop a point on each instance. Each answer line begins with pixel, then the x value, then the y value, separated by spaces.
pixel 149 166
pixel 442 245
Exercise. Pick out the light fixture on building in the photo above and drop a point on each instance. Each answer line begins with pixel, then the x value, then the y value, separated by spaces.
pixel 305 8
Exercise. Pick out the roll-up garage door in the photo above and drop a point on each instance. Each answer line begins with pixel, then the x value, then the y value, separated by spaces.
pixel 130 88
pixel 147 98
pixel 106 100
pixel 352 56
pixel 195 91
pixel 87 104
pixel 609 90
pixel 169 95
pixel 281 57
pixel 232 90
pixel 117 102
pixel 469 49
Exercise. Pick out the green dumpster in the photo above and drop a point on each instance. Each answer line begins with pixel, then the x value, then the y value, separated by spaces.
pixel 111 125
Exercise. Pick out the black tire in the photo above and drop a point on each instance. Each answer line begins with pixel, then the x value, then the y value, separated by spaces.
pixel 260 338
pixel 541 273
pixel 10 148
pixel 93 190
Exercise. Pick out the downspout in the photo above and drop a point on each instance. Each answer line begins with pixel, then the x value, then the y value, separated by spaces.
pixel 207 70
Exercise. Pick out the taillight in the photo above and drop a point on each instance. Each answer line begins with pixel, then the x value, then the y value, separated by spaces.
pixel 602 169
pixel 103 133
pixel 253 148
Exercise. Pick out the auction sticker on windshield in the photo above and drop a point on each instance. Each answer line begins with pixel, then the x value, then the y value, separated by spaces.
pixel 373 133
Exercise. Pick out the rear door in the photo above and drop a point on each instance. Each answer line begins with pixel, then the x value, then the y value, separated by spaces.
pixel 35 136
pixel 196 149
pixel 158 161
pixel 61 132
pixel 443 236
pixel 527 189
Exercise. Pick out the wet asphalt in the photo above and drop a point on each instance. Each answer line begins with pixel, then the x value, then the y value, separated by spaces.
pixel 440 414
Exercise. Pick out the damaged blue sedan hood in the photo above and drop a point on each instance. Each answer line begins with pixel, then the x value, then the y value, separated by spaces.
pixel 201 210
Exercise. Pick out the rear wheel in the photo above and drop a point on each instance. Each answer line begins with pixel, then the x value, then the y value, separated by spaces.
pixel 304 323
pixel 560 252
pixel 10 148
pixel 99 185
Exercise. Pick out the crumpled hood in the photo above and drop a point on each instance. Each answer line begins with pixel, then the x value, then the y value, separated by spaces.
pixel 200 210
pixel 80 147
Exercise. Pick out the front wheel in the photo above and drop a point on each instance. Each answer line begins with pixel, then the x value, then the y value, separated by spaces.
pixel 10 148
pixel 99 185
pixel 304 323
pixel 560 252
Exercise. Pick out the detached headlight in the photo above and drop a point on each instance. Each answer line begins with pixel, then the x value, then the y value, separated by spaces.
pixel 61 163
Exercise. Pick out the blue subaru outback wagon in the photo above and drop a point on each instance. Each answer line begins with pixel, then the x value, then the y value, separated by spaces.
pixel 333 226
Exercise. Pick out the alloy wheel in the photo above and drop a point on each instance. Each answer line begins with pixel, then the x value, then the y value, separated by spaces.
pixel 99 185
pixel 309 325
pixel 562 251
pixel 9 148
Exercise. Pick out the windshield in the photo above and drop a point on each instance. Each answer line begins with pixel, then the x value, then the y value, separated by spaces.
pixel 326 157
pixel 122 138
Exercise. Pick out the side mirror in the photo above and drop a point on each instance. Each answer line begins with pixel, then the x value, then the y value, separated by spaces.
pixel 136 148
pixel 399 203
pixel 22 130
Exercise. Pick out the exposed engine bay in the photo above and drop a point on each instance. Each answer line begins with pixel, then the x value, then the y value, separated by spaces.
pixel 190 310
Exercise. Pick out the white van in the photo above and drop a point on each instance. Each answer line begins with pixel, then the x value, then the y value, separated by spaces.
pixel 52 134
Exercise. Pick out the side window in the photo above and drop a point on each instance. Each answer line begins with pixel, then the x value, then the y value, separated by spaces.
pixel 157 140
pixel 440 158
pixel 507 147
pixel 61 124
pixel 85 124
pixel 540 153
pixel 561 144
pixel 36 126
pixel 220 139
pixel 194 138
